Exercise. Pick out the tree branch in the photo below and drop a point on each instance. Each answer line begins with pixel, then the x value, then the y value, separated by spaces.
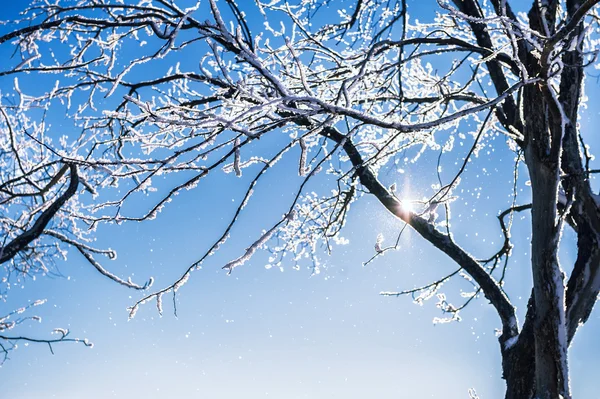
pixel 490 287
pixel 23 240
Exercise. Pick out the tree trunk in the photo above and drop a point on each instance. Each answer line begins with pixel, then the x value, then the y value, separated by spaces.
pixel 518 360
pixel 536 364
pixel 543 129
pixel 551 371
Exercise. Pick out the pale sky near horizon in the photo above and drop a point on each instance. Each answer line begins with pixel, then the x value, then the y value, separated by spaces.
pixel 268 334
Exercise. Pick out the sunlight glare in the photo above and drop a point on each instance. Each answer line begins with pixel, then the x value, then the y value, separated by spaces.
pixel 407 205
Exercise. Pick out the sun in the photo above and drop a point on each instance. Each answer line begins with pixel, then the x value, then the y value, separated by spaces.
pixel 407 205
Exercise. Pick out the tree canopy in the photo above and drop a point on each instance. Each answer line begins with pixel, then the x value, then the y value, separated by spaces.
pixel 160 94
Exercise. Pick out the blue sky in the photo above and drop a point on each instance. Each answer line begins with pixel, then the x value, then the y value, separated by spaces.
pixel 264 333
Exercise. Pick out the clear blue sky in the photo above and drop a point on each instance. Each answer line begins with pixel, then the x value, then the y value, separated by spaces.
pixel 269 334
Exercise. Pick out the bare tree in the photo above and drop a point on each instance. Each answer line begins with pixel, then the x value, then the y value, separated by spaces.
pixel 156 89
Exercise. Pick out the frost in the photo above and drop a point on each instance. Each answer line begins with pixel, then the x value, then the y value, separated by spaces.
pixel 378 243
pixel 302 169
pixel 159 304
pixel 251 250
pixel 236 163
pixel 62 331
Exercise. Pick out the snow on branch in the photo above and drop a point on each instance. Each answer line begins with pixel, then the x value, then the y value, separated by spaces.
pixel 205 92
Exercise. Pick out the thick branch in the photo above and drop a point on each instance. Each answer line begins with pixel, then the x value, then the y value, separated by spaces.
pixel 509 108
pixel 490 287
pixel 584 282
pixel 23 240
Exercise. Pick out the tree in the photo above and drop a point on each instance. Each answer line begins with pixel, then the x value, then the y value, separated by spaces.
pixel 157 90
